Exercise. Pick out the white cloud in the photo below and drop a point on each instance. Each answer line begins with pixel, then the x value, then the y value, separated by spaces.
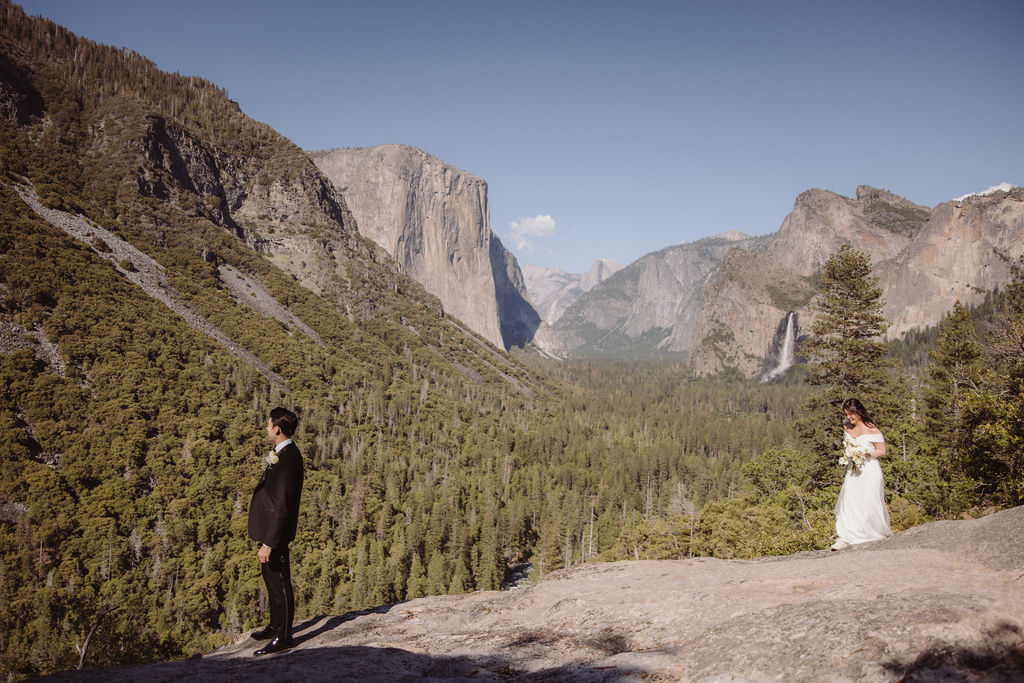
pixel 524 230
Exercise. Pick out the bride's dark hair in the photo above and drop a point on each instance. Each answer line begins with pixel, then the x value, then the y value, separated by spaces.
pixel 852 405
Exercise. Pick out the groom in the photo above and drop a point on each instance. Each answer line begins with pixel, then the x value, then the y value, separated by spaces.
pixel 273 516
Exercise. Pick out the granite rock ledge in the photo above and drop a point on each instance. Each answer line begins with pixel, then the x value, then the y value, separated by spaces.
pixel 942 601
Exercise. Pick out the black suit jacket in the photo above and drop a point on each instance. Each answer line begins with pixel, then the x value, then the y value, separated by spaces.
pixel 274 510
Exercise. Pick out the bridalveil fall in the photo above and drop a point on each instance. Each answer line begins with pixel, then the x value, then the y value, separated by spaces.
pixel 783 349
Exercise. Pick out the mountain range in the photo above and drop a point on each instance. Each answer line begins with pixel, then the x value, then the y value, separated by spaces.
pixel 552 290
pixel 719 302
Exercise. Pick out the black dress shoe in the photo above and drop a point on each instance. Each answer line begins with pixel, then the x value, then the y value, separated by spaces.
pixel 275 645
pixel 263 634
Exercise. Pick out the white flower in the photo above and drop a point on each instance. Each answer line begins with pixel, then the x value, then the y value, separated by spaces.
pixel 272 458
pixel 854 452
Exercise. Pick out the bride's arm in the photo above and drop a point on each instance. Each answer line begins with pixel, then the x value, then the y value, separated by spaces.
pixel 879 447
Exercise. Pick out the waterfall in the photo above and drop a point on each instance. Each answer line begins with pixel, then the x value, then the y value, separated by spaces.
pixel 786 357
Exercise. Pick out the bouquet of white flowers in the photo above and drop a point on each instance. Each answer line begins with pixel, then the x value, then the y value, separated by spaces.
pixel 853 452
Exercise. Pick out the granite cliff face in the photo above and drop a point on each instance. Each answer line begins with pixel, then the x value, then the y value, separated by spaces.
pixel 274 199
pixel 955 256
pixel 741 309
pixel 726 311
pixel 651 305
pixel 925 259
pixel 940 601
pixel 434 219
pixel 552 290
pixel 876 222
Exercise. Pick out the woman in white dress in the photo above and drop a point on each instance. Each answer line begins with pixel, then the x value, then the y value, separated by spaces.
pixel 861 514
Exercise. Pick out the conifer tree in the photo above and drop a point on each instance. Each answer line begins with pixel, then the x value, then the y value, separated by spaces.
pixel 417 585
pixel 994 412
pixel 436 574
pixel 953 372
pixel 845 355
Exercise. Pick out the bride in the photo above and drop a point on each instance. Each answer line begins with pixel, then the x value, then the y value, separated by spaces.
pixel 861 515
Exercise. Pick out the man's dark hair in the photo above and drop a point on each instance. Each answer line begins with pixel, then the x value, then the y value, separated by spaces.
pixel 285 420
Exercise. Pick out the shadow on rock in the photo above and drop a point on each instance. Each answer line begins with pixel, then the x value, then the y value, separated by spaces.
pixel 1000 657
pixel 347 663
pixel 607 641
pixel 330 623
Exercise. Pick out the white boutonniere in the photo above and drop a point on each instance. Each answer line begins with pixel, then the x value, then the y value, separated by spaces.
pixel 272 458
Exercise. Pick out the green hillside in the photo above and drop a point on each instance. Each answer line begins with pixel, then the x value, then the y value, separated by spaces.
pixel 137 364
pixel 129 462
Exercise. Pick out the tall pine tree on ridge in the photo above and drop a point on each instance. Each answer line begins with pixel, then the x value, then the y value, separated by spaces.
pixel 846 355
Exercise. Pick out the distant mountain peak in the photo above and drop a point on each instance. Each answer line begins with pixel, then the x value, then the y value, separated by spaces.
pixel 868 194
pixel 552 290
pixel 601 270
pixel 732 235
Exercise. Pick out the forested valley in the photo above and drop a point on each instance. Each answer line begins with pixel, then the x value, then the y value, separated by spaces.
pixel 435 463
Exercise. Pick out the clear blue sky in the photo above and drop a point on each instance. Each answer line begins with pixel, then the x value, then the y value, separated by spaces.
pixel 612 129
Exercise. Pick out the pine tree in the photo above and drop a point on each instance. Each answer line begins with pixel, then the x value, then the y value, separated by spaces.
pixel 953 372
pixel 994 411
pixel 846 356
pixel 417 584
pixel 436 574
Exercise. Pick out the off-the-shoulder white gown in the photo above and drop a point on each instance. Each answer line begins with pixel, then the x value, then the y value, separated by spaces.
pixel 861 514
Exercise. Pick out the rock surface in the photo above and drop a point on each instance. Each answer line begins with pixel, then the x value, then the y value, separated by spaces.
pixel 652 305
pixel 943 601
pixel 552 290
pixel 747 291
pixel 876 222
pixel 690 299
pixel 956 256
pixel 925 259
pixel 434 219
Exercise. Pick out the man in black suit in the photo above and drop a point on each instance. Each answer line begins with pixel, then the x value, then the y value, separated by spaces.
pixel 273 516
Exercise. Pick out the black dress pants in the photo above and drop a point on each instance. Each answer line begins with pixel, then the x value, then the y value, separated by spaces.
pixel 277 576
